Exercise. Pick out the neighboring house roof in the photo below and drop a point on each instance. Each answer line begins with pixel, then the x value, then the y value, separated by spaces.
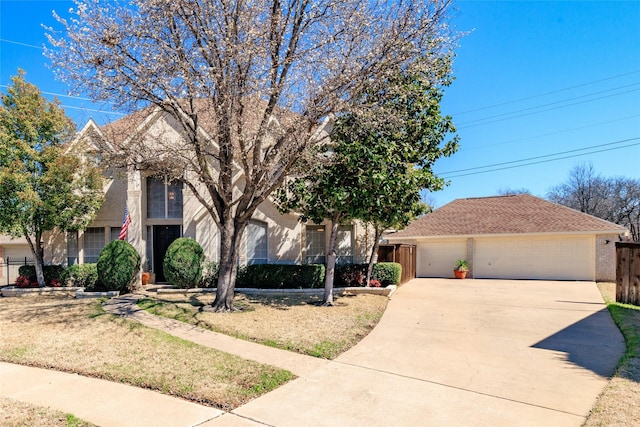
pixel 517 214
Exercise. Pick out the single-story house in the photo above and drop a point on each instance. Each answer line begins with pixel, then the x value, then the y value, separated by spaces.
pixel 513 237
pixel 161 211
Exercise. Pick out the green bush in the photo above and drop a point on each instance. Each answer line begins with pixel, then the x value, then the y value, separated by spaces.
pixel 210 272
pixel 84 275
pixel 388 273
pixel 118 265
pixel 183 263
pixel 280 276
pixel 52 273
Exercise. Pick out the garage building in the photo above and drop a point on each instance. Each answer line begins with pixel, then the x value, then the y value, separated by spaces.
pixel 513 237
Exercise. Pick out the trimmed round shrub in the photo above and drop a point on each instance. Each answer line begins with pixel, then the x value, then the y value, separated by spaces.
pixel 183 263
pixel 117 266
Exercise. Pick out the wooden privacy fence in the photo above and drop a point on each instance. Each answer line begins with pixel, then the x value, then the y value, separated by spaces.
pixel 628 272
pixel 405 255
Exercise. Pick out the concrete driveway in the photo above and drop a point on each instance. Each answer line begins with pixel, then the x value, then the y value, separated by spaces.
pixel 461 353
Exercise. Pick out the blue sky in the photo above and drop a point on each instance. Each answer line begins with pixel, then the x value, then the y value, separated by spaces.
pixel 533 79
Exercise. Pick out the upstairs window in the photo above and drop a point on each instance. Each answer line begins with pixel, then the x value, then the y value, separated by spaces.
pixel 164 198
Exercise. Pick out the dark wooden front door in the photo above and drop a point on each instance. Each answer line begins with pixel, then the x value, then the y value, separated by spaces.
pixel 163 236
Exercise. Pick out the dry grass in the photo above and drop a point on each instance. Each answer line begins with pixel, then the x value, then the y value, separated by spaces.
pixel 618 405
pixel 20 414
pixel 297 322
pixel 77 336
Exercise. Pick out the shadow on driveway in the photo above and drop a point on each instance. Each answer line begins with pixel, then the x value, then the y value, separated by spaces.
pixel 586 345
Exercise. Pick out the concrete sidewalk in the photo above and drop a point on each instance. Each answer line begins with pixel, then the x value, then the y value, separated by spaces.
pixel 446 352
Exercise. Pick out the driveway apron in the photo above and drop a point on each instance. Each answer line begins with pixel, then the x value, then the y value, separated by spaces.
pixel 461 353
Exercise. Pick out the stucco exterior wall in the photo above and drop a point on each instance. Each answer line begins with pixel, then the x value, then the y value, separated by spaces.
pixel 606 257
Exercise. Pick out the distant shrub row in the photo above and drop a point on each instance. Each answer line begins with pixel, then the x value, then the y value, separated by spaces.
pixel 184 267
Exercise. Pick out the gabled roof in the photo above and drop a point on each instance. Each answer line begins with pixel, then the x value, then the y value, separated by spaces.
pixel 518 214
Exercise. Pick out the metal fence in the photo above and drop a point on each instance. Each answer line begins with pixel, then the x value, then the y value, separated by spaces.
pixel 10 268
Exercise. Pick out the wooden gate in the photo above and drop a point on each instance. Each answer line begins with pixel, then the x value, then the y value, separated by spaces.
pixel 628 272
pixel 403 254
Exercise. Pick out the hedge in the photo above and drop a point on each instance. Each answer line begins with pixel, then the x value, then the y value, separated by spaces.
pixel 388 273
pixel 84 275
pixel 281 276
pixel 51 273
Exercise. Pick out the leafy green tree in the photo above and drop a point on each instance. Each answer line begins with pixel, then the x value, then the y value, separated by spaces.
pixel 379 161
pixel 41 187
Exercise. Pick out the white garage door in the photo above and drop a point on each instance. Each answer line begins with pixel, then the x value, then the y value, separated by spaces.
pixel 438 258
pixel 559 258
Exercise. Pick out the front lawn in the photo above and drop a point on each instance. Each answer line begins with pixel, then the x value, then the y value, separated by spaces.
pixel 72 335
pixel 292 322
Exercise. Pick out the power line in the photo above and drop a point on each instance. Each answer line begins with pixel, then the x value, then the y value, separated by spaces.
pixel 22 44
pixel 57 94
pixel 543 157
pixel 546 93
pixel 478 147
pixel 93 110
pixel 541 111
pixel 78 98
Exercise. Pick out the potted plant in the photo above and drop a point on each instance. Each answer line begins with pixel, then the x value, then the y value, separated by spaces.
pixel 460 272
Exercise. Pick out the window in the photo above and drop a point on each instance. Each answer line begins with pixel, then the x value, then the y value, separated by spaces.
pixel 164 198
pixel 92 243
pixel 316 244
pixel 72 247
pixel 257 248
pixel 344 249
pixel 114 234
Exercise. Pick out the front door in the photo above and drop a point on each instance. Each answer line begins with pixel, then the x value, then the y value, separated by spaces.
pixel 163 236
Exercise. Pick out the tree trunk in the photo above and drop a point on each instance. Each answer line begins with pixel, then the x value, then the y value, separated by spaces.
pixel 374 252
pixel 329 274
pixel 38 257
pixel 230 237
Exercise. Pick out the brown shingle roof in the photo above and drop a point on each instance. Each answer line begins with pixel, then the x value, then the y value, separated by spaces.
pixel 516 214
pixel 119 130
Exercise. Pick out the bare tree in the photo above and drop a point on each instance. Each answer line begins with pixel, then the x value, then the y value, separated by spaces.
pixel 613 199
pixel 259 76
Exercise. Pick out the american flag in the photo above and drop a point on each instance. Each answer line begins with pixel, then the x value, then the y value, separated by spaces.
pixel 125 224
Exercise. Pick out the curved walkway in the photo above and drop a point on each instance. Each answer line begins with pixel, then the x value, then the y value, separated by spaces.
pixel 446 352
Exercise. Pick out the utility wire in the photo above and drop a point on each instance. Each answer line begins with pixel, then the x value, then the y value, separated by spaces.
pixel 22 44
pixel 540 157
pixel 552 103
pixel 546 93
pixel 478 147
pixel 548 109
